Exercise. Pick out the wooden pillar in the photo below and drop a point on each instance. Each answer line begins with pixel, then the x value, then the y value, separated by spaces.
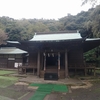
pixel 94 71
pixel 38 63
pixel 66 65
pixel 58 64
pixel 44 62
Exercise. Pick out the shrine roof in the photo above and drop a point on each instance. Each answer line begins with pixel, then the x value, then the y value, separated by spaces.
pixel 56 37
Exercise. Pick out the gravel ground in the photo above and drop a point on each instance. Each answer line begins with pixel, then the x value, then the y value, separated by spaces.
pixel 92 93
pixel 23 93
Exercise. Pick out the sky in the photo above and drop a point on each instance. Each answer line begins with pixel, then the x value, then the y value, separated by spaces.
pixel 46 9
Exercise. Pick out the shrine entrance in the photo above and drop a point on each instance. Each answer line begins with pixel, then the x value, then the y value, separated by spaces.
pixel 52 61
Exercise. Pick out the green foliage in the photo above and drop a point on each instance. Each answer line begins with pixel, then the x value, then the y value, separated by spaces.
pixel 95 17
pixel 90 56
pixel 93 56
pixel 24 29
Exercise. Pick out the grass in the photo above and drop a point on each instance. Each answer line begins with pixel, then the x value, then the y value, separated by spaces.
pixel 4 72
pixel 5 92
pixel 9 78
pixel 4 98
pixel 7 81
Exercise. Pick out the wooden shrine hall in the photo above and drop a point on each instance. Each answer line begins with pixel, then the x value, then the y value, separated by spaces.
pixel 54 55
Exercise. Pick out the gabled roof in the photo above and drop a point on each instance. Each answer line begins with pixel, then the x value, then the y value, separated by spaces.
pixel 56 37
pixel 11 50
pixel 61 37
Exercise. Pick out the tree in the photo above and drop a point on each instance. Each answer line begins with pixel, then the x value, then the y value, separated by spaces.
pixel 3 37
pixel 93 2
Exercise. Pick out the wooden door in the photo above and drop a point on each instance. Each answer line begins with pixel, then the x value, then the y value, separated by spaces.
pixel 11 63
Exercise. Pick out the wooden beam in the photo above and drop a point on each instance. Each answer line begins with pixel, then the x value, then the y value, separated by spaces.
pixel 66 65
pixel 38 63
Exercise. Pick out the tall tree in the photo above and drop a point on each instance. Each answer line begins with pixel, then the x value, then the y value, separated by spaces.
pixel 3 37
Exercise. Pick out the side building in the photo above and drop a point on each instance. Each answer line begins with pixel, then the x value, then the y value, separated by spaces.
pixel 11 57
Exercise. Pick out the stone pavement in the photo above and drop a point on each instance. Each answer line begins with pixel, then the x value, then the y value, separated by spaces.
pixel 35 79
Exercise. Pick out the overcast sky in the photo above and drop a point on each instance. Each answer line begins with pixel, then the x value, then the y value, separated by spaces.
pixel 47 9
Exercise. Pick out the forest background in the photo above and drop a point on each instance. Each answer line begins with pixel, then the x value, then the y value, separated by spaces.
pixel 87 22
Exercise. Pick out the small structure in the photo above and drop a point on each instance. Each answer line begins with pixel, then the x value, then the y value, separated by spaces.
pixel 54 55
pixel 11 57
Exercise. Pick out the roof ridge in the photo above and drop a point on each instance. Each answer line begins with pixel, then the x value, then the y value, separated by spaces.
pixel 55 32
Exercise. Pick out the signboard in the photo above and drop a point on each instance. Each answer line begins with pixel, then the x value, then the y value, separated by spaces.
pixel 11 58
pixel 17 64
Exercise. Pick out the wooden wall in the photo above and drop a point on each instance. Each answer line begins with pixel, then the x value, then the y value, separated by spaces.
pixel 33 60
pixel 8 61
pixel 75 57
